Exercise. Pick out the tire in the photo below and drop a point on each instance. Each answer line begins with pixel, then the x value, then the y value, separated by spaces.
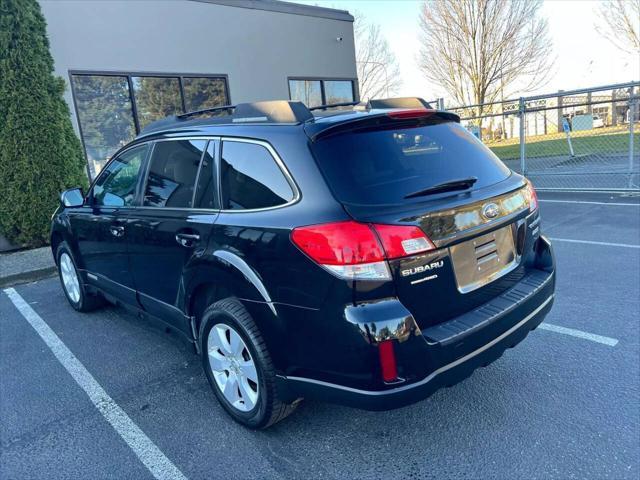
pixel 75 291
pixel 262 407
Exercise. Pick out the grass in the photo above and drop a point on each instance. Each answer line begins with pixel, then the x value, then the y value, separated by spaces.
pixel 584 143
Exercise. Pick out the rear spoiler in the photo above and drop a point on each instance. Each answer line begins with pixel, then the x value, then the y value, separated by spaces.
pixel 399 102
pixel 415 116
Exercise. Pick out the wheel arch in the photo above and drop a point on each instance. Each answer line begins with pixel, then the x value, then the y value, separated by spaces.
pixel 224 274
pixel 55 241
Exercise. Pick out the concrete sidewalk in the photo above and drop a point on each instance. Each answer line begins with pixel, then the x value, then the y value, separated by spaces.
pixel 26 266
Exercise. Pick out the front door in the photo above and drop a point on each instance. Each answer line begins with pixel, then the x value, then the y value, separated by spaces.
pixel 169 232
pixel 101 226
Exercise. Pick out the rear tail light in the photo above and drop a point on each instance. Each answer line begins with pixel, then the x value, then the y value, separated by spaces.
pixel 358 251
pixel 400 241
pixel 533 196
pixel 388 361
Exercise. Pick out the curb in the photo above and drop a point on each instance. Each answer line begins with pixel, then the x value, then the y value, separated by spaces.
pixel 27 277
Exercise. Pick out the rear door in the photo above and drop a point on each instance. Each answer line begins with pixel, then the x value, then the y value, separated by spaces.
pixel 172 226
pixel 386 174
pixel 101 226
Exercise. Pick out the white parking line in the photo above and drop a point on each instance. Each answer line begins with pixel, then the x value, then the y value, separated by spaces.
pixel 592 203
pixel 612 342
pixel 148 453
pixel 590 242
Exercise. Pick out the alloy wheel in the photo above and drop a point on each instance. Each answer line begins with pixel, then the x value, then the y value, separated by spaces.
pixel 70 277
pixel 233 368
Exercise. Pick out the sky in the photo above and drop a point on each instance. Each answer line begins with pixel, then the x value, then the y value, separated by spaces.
pixel 583 57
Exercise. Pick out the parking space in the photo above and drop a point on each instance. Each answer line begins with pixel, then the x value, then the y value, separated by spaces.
pixel 557 406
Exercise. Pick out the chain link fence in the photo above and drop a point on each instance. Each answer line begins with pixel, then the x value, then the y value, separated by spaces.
pixel 586 139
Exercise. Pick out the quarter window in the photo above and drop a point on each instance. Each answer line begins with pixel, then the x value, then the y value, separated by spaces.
pixel 250 178
pixel 172 173
pixel 116 186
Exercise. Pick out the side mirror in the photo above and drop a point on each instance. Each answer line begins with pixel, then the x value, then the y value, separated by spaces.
pixel 72 197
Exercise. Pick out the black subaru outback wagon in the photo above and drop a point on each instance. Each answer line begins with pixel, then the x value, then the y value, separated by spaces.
pixel 364 255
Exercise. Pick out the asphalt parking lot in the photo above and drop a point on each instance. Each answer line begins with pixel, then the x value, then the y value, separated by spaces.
pixel 564 404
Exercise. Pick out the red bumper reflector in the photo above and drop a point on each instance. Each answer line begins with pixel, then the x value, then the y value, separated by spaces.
pixel 388 361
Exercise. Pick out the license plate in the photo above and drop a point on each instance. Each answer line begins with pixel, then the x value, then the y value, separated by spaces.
pixel 483 259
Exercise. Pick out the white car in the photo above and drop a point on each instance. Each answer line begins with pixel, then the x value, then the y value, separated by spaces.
pixel 598 122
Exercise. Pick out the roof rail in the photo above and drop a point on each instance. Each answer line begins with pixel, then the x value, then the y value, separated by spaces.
pixel 334 105
pixel 399 102
pixel 205 110
pixel 272 111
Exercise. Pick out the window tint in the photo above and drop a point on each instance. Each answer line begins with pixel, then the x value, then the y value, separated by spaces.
pixel 172 173
pixel 205 193
pixel 116 186
pixel 338 91
pixel 308 92
pixel 373 166
pixel 250 178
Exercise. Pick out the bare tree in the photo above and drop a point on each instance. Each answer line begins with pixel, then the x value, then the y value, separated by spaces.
pixel 378 70
pixel 479 50
pixel 620 24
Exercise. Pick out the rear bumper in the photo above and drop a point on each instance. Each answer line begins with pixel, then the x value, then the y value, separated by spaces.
pixel 447 375
pixel 450 352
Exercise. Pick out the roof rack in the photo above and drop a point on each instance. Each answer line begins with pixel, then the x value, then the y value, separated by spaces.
pixel 272 111
pixel 399 102
pixel 195 113
pixel 334 105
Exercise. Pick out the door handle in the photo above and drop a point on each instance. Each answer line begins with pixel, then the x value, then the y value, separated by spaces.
pixel 187 239
pixel 116 230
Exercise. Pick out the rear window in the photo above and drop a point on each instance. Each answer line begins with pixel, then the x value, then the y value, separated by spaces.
pixel 371 167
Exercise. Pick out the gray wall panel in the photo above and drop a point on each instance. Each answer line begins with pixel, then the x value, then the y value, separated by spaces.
pixel 257 49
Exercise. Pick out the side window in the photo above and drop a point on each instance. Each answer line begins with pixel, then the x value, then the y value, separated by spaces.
pixel 250 178
pixel 116 186
pixel 205 193
pixel 172 173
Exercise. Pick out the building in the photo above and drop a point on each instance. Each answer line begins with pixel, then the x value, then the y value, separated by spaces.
pixel 129 63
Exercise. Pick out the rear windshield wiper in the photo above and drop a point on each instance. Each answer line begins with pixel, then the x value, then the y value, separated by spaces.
pixel 450 186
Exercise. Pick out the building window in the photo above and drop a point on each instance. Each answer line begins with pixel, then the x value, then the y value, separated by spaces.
pixel 112 108
pixel 105 116
pixel 313 92
pixel 338 91
pixel 201 93
pixel 308 92
pixel 156 98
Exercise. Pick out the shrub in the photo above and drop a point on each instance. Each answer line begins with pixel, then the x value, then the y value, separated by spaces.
pixel 40 155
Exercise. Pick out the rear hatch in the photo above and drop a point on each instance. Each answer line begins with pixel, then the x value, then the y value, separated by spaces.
pixel 428 171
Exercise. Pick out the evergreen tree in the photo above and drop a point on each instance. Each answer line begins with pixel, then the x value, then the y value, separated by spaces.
pixel 40 154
